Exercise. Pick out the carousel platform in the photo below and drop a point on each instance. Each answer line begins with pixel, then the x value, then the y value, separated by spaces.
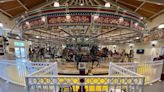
pixel 70 68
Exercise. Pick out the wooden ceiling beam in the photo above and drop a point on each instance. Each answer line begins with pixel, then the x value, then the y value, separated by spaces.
pixel 121 6
pixel 156 14
pixel 42 5
pixel 135 6
pixel 20 2
pixel 8 14
pixel 139 6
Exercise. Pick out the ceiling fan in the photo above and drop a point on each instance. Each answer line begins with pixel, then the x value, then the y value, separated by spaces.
pixel 4 1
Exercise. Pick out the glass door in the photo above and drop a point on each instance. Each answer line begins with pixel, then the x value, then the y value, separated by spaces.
pixel 20 52
pixel 17 52
pixel 23 52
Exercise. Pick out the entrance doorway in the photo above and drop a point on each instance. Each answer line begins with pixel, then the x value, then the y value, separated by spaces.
pixel 20 52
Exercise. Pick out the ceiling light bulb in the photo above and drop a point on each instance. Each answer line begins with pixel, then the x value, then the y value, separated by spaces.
pixel 17 37
pixel 37 37
pixel 141 18
pixel 136 24
pixel 121 19
pixel 131 44
pixel 68 16
pixel 107 4
pixel 27 23
pixel 154 42
pixel 1 24
pixel 161 26
pixel 43 18
pixel 137 37
pixel 81 4
pixel 114 46
pixel 56 4
pixel 96 16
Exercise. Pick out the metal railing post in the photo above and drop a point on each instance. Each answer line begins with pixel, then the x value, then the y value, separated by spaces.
pixel 27 86
pixel 110 68
pixel 135 67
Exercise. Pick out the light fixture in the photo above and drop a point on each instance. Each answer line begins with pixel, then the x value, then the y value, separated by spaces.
pixel 121 19
pixel 107 4
pixel 153 43
pixel 1 24
pixel 43 18
pixel 81 4
pixel 27 23
pixel 114 46
pixel 68 17
pixel 141 18
pixel 137 38
pixel 37 36
pixel 131 45
pixel 56 4
pixel 17 37
pixel 95 16
pixel 136 24
pixel 161 26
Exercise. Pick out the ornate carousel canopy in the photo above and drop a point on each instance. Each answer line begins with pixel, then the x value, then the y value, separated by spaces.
pixel 104 23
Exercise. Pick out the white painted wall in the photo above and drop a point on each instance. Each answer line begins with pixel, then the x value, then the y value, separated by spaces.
pixel 8 24
pixel 149 51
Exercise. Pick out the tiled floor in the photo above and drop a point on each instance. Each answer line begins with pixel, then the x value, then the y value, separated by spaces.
pixel 8 87
pixel 157 87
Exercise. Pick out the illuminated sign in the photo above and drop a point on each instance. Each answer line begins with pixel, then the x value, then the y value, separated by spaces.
pixel 16 43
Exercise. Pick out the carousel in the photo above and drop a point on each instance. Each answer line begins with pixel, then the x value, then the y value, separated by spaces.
pixel 72 32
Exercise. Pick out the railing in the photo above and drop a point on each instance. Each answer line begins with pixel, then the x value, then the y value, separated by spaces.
pixel 125 81
pixel 91 84
pixel 144 58
pixel 12 72
pixel 35 66
pixel 151 70
pixel 116 70
pixel 48 70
